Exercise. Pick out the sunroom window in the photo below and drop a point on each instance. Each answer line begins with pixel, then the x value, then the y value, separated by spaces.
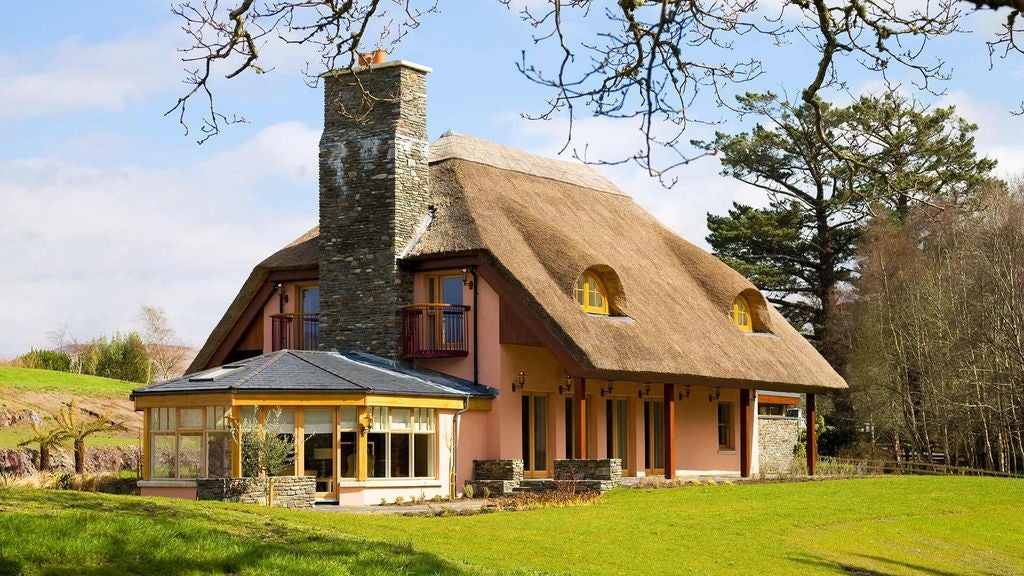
pixel 189 443
pixel 401 443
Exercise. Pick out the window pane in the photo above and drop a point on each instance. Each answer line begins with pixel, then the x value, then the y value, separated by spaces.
pixel 527 464
pixel 399 455
pixel 311 300
pixel 425 420
pixel 569 429
pixel 163 456
pixel 190 463
pixel 659 434
pixel 280 421
pixel 318 458
pixel 191 418
pixel 249 416
pixel 215 417
pixel 376 455
pixel 451 289
pixel 348 418
pixel 380 418
pixel 218 455
pixel 319 421
pixel 400 418
pixel 348 447
pixel 161 418
pixel 540 436
pixel 424 454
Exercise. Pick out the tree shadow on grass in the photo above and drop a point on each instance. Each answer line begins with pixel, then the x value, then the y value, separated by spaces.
pixel 835 567
pixel 79 535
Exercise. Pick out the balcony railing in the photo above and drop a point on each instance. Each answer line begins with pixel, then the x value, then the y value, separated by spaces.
pixel 295 331
pixel 435 331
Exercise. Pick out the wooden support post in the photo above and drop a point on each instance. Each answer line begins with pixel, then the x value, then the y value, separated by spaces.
pixel 361 448
pixel 746 432
pixel 812 436
pixel 236 447
pixel 580 407
pixel 147 448
pixel 670 431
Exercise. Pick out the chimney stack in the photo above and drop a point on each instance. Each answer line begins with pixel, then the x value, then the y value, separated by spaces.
pixel 374 192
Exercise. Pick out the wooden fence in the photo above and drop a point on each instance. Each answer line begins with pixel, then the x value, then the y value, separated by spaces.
pixel 845 466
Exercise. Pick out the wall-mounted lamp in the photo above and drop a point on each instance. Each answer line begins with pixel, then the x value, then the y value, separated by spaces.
pixel 567 387
pixel 685 393
pixel 608 390
pixel 645 391
pixel 520 383
pixel 365 425
pixel 467 277
pixel 716 396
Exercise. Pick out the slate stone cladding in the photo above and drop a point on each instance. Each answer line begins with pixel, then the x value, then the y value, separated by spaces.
pixel 297 492
pixel 373 197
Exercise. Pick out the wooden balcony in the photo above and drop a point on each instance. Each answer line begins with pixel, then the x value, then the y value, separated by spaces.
pixel 435 331
pixel 295 332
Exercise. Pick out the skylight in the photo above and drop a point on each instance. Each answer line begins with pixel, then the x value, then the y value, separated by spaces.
pixel 214 374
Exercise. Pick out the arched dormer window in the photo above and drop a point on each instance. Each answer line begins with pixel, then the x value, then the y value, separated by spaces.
pixel 740 314
pixel 591 294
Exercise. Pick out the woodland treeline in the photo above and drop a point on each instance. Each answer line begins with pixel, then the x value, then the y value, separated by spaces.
pixel 895 249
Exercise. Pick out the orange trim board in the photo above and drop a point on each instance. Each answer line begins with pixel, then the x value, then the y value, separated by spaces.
pixel 763 398
pixel 305 399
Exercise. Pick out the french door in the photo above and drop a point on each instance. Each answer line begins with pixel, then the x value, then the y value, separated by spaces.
pixel 535 436
pixel 617 430
pixel 320 449
pixel 654 436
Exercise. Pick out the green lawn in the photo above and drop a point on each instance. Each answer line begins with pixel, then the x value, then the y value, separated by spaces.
pixel 50 381
pixel 897 525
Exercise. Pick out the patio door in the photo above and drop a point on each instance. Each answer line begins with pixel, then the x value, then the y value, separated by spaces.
pixel 617 431
pixel 443 322
pixel 654 436
pixel 320 452
pixel 535 436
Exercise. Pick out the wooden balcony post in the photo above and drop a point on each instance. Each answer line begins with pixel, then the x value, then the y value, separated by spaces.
pixel 812 435
pixel 746 432
pixel 580 407
pixel 670 431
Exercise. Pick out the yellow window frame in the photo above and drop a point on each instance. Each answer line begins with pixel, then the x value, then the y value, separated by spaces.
pixel 740 314
pixel 586 285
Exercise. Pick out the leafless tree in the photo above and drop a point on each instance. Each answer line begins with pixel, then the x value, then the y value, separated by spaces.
pixel 654 62
pixel 169 353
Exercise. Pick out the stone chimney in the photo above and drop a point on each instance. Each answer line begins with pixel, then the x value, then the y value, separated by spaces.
pixel 374 189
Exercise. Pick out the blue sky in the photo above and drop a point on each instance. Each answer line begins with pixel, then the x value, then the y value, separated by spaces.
pixel 105 205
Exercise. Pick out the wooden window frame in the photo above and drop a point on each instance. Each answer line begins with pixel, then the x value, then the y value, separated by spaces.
pixel 591 283
pixel 730 444
pixel 386 431
pixel 741 314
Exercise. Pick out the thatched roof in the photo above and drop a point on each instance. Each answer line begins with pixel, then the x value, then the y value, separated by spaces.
pixel 541 222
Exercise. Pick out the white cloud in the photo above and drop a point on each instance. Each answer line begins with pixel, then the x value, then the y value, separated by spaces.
pixel 73 76
pixel 87 244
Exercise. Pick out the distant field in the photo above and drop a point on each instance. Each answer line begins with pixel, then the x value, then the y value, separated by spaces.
pixel 49 381
pixel 43 391
pixel 937 526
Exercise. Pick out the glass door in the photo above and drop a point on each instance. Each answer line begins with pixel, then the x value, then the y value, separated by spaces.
pixel 654 436
pixel 319 450
pixel 535 436
pixel 617 431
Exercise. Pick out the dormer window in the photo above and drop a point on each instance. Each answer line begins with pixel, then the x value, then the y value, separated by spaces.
pixel 591 294
pixel 740 314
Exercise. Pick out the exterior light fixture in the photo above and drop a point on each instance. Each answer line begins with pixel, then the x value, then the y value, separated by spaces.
pixel 520 383
pixel 366 425
pixel 716 396
pixel 685 393
pixel 608 390
pixel 646 391
pixel 467 277
pixel 567 387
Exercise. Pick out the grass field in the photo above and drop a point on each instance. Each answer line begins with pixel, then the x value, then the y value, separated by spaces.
pixel 894 525
pixel 43 391
pixel 48 381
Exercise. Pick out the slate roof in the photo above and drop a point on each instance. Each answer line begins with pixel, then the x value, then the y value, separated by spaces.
pixel 307 371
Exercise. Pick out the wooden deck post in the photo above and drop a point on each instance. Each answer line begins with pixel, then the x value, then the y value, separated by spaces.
pixel 580 407
pixel 670 431
pixel 812 435
pixel 362 445
pixel 746 432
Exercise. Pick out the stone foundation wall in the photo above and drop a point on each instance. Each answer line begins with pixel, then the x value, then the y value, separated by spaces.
pixel 289 491
pixel 510 470
pixel 776 438
pixel 607 469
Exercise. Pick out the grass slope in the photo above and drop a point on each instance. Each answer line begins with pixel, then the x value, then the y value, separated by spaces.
pixel 45 390
pixel 30 379
pixel 897 525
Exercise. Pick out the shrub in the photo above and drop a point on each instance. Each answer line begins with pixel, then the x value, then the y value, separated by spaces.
pixel 399 500
pixel 468 490
pixel 485 493
pixel 46 360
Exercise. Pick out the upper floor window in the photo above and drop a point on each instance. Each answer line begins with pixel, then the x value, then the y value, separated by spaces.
pixel 591 294
pixel 741 314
